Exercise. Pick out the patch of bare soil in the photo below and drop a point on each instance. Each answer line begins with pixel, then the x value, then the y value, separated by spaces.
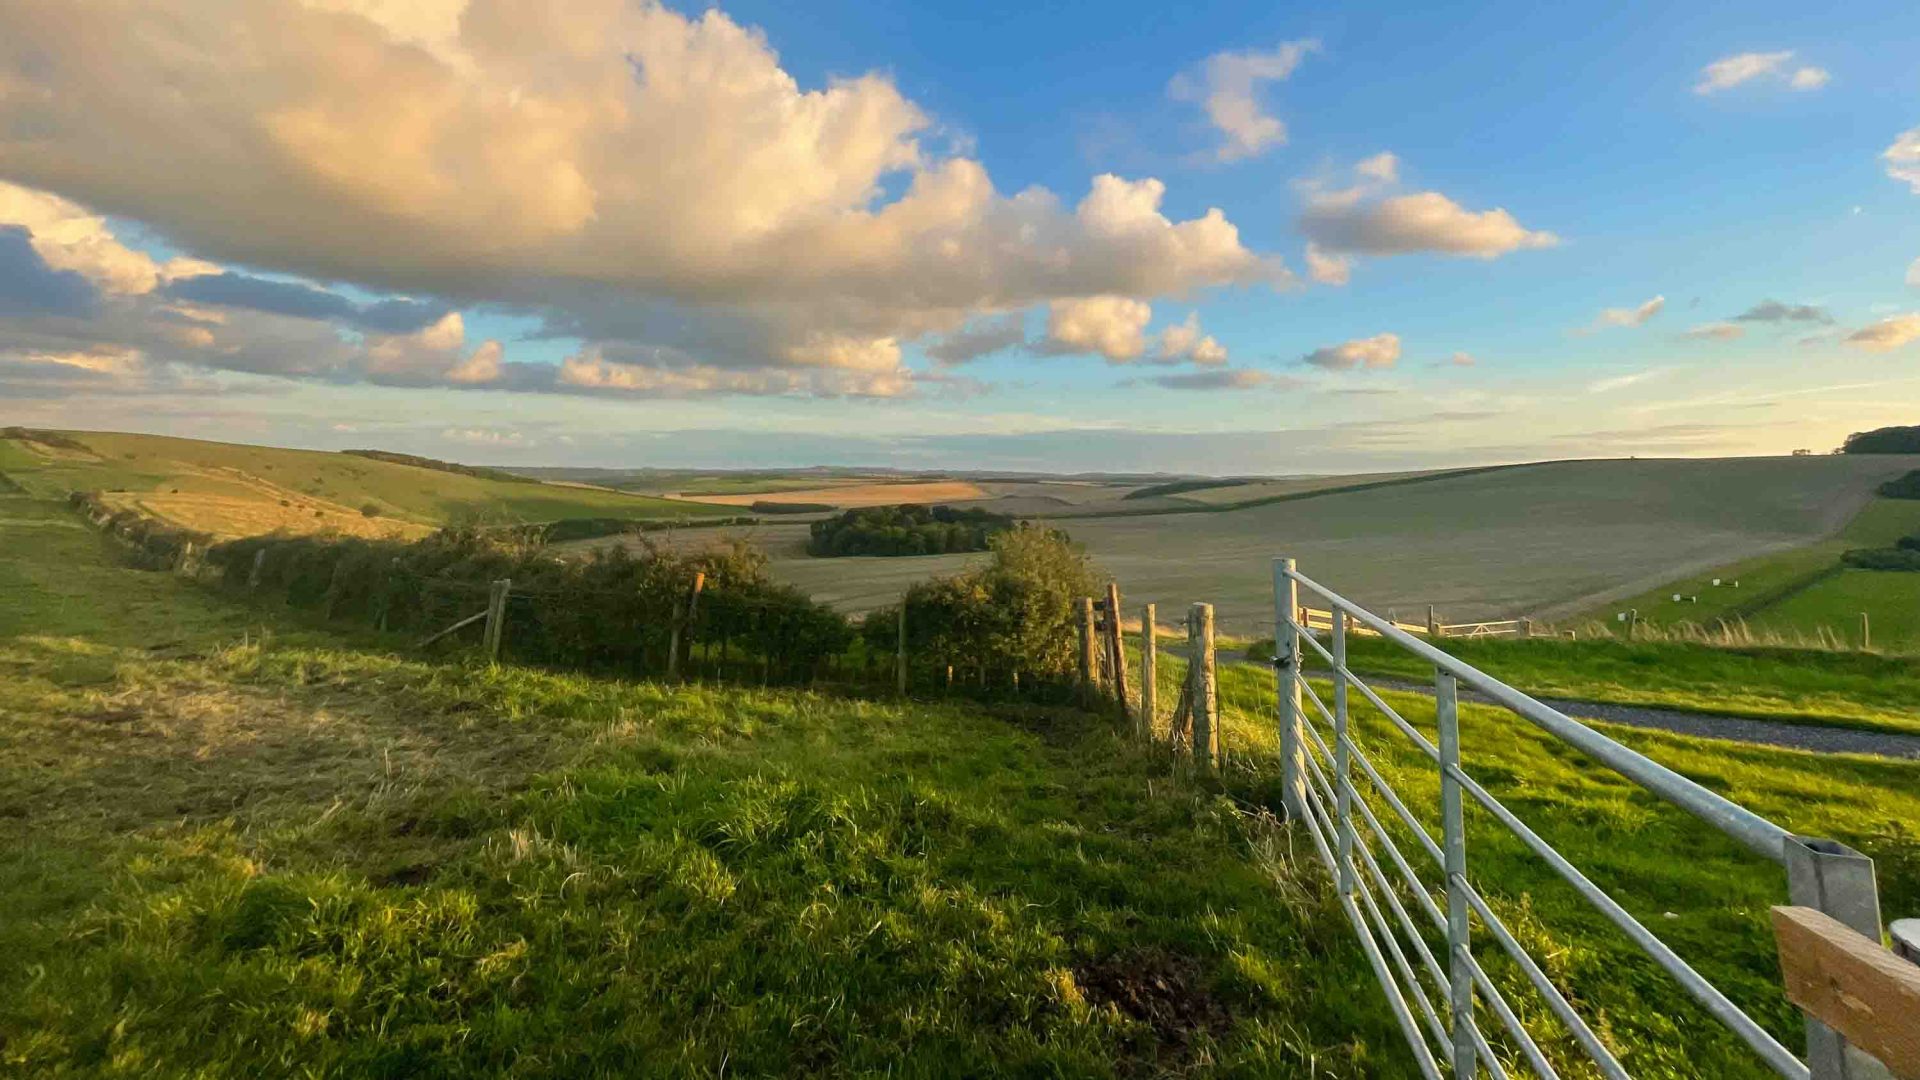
pixel 1165 992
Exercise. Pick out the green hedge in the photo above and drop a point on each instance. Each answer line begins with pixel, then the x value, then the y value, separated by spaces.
pixel 1009 621
pixel 613 609
pixel 1905 487
pixel 154 544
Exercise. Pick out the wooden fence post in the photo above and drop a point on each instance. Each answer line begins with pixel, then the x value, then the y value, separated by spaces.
pixel 1526 627
pixel 900 652
pixel 683 612
pixel 1149 674
pixel 1117 649
pixel 333 590
pixel 259 564
pixel 1433 623
pixel 497 617
pixel 1086 650
pixel 1866 633
pixel 1200 673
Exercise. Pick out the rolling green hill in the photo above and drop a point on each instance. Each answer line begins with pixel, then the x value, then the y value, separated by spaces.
pixel 231 489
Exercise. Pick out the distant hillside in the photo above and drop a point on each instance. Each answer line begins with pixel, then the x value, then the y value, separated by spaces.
pixel 1181 487
pixel 235 490
pixel 419 462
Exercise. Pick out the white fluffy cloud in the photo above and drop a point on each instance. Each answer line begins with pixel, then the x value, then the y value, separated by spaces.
pixel 1426 221
pixel 632 175
pixel 1462 359
pixel 1186 341
pixel 1888 333
pixel 1364 219
pixel 1113 326
pixel 1903 158
pixel 1228 86
pixel 1378 351
pixel 1327 268
pixel 1633 316
pixel 1730 71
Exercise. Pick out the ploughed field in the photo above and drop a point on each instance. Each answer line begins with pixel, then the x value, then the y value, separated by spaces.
pixel 1548 540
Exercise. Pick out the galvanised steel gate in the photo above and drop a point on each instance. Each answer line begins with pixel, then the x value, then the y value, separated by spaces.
pixel 1319 758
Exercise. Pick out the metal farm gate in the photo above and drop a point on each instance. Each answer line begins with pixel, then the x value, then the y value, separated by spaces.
pixel 1336 791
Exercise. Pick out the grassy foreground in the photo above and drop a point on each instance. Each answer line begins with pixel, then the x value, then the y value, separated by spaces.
pixel 313 856
pixel 233 845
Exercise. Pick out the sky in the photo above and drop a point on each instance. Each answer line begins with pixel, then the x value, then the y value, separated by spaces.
pixel 1128 237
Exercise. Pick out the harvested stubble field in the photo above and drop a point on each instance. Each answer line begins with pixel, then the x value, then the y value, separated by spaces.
pixel 1544 540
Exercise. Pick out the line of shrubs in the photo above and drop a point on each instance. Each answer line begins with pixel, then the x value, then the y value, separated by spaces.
pixel 1006 625
pixel 612 609
pixel 1903 555
pixel 1904 487
pixel 908 529
pixel 592 528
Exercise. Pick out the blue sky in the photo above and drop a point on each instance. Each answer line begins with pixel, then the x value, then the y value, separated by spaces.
pixel 755 259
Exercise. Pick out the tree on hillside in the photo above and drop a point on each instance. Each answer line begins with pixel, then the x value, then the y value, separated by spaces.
pixel 1886 440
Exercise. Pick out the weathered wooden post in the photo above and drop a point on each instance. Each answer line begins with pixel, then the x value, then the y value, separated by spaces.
pixel 1149 674
pixel 1117 649
pixel 1433 623
pixel 333 590
pixel 1206 712
pixel 683 612
pixel 1526 627
pixel 1866 633
pixel 1086 650
pixel 259 564
pixel 900 652
pixel 497 617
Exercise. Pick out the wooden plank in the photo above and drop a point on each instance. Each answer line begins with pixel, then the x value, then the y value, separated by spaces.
pixel 461 625
pixel 1851 984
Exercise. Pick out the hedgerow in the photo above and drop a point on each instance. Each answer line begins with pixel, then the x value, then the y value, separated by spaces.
pixel 610 609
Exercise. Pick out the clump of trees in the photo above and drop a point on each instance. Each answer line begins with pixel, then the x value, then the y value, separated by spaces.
pixel 1006 623
pixel 1905 487
pixel 770 506
pixel 905 530
pixel 1886 440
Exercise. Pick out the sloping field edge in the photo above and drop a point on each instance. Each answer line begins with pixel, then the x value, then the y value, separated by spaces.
pixel 1295 496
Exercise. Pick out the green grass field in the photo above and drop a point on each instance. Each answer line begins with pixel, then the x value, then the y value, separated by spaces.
pixel 233 843
pixel 236 490
pixel 1797 594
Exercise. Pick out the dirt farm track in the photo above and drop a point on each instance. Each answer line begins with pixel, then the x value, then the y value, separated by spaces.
pixel 1542 540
